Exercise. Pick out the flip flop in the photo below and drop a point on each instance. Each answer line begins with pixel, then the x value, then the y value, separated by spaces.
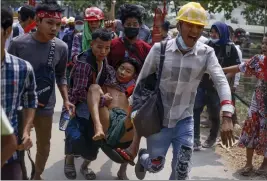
pixel 88 173
pixel 70 171
pixel 246 171
pixel 127 156
pixel 112 154
pixel 261 172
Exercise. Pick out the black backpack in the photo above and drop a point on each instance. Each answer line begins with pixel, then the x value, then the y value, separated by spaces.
pixel 15 31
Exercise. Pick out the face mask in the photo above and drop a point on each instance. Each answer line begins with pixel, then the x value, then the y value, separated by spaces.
pixel 214 40
pixel 181 44
pixel 131 32
pixel 79 28
pixel 62 27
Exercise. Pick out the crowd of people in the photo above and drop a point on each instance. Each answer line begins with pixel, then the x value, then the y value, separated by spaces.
pixel 106 71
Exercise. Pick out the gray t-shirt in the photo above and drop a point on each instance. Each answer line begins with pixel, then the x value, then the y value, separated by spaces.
pixel 35 52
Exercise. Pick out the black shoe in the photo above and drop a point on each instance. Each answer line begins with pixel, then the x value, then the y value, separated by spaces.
pixel 209 143
pixel 140 171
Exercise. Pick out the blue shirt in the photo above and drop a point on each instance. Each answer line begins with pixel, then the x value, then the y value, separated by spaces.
pixel 17 89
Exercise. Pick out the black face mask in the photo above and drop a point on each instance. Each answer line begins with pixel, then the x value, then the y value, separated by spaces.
pixel 72 27
pixel 62 27
pixel 131 32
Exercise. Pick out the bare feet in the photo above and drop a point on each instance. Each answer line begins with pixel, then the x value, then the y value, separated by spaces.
pixel 122 172
pixel 99 133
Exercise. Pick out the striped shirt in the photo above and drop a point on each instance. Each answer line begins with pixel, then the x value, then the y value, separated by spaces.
pixel 17 88
pixel 181 76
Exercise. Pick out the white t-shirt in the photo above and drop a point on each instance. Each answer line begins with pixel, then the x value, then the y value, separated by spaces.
pixel 203 39
pixel 21 32
pixel 237 76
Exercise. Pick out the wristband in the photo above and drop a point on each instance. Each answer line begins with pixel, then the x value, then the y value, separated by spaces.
pixel 226 102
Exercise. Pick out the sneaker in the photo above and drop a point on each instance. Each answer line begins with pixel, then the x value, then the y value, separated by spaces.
pixel 210 142
pixel 197 145
pixel 140 171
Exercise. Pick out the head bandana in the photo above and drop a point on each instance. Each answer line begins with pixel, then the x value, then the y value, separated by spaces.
pixel 47 14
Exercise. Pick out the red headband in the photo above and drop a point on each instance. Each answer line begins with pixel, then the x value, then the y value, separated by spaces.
pixel 46 14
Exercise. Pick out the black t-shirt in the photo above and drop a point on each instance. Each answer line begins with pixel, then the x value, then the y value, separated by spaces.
pixel 227 56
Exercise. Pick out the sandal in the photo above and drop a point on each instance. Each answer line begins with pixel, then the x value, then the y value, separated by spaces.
pixel 88 173
pixel 112 154
pixel 126 155
pixel 69 170
pixel 261 172
pixel 246 171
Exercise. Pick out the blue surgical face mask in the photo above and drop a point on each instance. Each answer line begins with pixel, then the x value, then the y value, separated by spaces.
pixel 79 28
pixel 214 40
pixel 181 44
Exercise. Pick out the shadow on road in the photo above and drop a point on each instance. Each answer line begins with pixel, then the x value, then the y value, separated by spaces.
pixel 105 171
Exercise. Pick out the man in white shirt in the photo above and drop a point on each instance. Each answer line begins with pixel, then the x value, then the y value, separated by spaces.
pixel 186 61
pixel 26 17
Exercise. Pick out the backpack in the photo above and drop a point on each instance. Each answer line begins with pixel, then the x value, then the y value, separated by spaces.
pixel 15 31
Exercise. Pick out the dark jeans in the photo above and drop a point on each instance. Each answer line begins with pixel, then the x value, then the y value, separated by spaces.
pixel 234 117
pixel 79 142
pixel 209 98
pixel 11 171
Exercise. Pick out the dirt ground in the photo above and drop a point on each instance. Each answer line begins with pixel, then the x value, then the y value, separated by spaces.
pixel 235 159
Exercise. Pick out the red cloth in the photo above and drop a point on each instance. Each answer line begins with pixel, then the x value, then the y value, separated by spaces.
pixel 130 90
pixel 28 28
pixel 117 51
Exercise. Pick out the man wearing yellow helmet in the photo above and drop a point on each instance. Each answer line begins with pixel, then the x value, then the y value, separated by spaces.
pixel 186 61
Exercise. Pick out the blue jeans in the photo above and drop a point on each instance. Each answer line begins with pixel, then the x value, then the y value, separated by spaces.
pixel 181 138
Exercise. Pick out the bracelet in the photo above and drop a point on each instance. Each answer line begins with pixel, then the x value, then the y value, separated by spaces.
pixel 102 102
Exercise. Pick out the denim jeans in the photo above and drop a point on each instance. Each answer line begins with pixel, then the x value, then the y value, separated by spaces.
pixel 210 98
pixel 181 138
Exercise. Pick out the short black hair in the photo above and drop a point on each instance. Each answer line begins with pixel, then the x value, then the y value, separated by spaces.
pixel 130 11
pixel 49 5
pixel 166 25
pixel 131 61
pixel 27 12
pixel 103 34
pixel 6 18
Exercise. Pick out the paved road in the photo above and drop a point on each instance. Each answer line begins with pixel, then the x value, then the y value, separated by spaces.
pixel 206 164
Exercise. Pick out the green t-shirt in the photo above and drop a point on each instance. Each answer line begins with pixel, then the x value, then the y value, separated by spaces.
pixel 6 128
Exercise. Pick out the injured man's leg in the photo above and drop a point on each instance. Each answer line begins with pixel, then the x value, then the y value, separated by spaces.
pixel 99 113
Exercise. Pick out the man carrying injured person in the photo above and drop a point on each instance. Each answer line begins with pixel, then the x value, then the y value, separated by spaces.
pixel 109 107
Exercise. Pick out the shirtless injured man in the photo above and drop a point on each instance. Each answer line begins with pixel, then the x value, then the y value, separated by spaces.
pixel 110 109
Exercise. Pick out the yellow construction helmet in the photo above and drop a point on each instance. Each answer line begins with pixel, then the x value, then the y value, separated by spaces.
pixel 193 13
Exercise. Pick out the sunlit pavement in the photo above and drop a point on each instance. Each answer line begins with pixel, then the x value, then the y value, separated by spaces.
pixel 206 164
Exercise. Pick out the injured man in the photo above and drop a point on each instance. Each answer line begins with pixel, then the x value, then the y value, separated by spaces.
pixel 110 109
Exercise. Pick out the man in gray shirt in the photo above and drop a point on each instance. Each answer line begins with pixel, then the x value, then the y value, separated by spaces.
pixel 38 48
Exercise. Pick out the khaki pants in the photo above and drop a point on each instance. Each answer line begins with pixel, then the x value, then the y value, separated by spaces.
pixel 43 128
